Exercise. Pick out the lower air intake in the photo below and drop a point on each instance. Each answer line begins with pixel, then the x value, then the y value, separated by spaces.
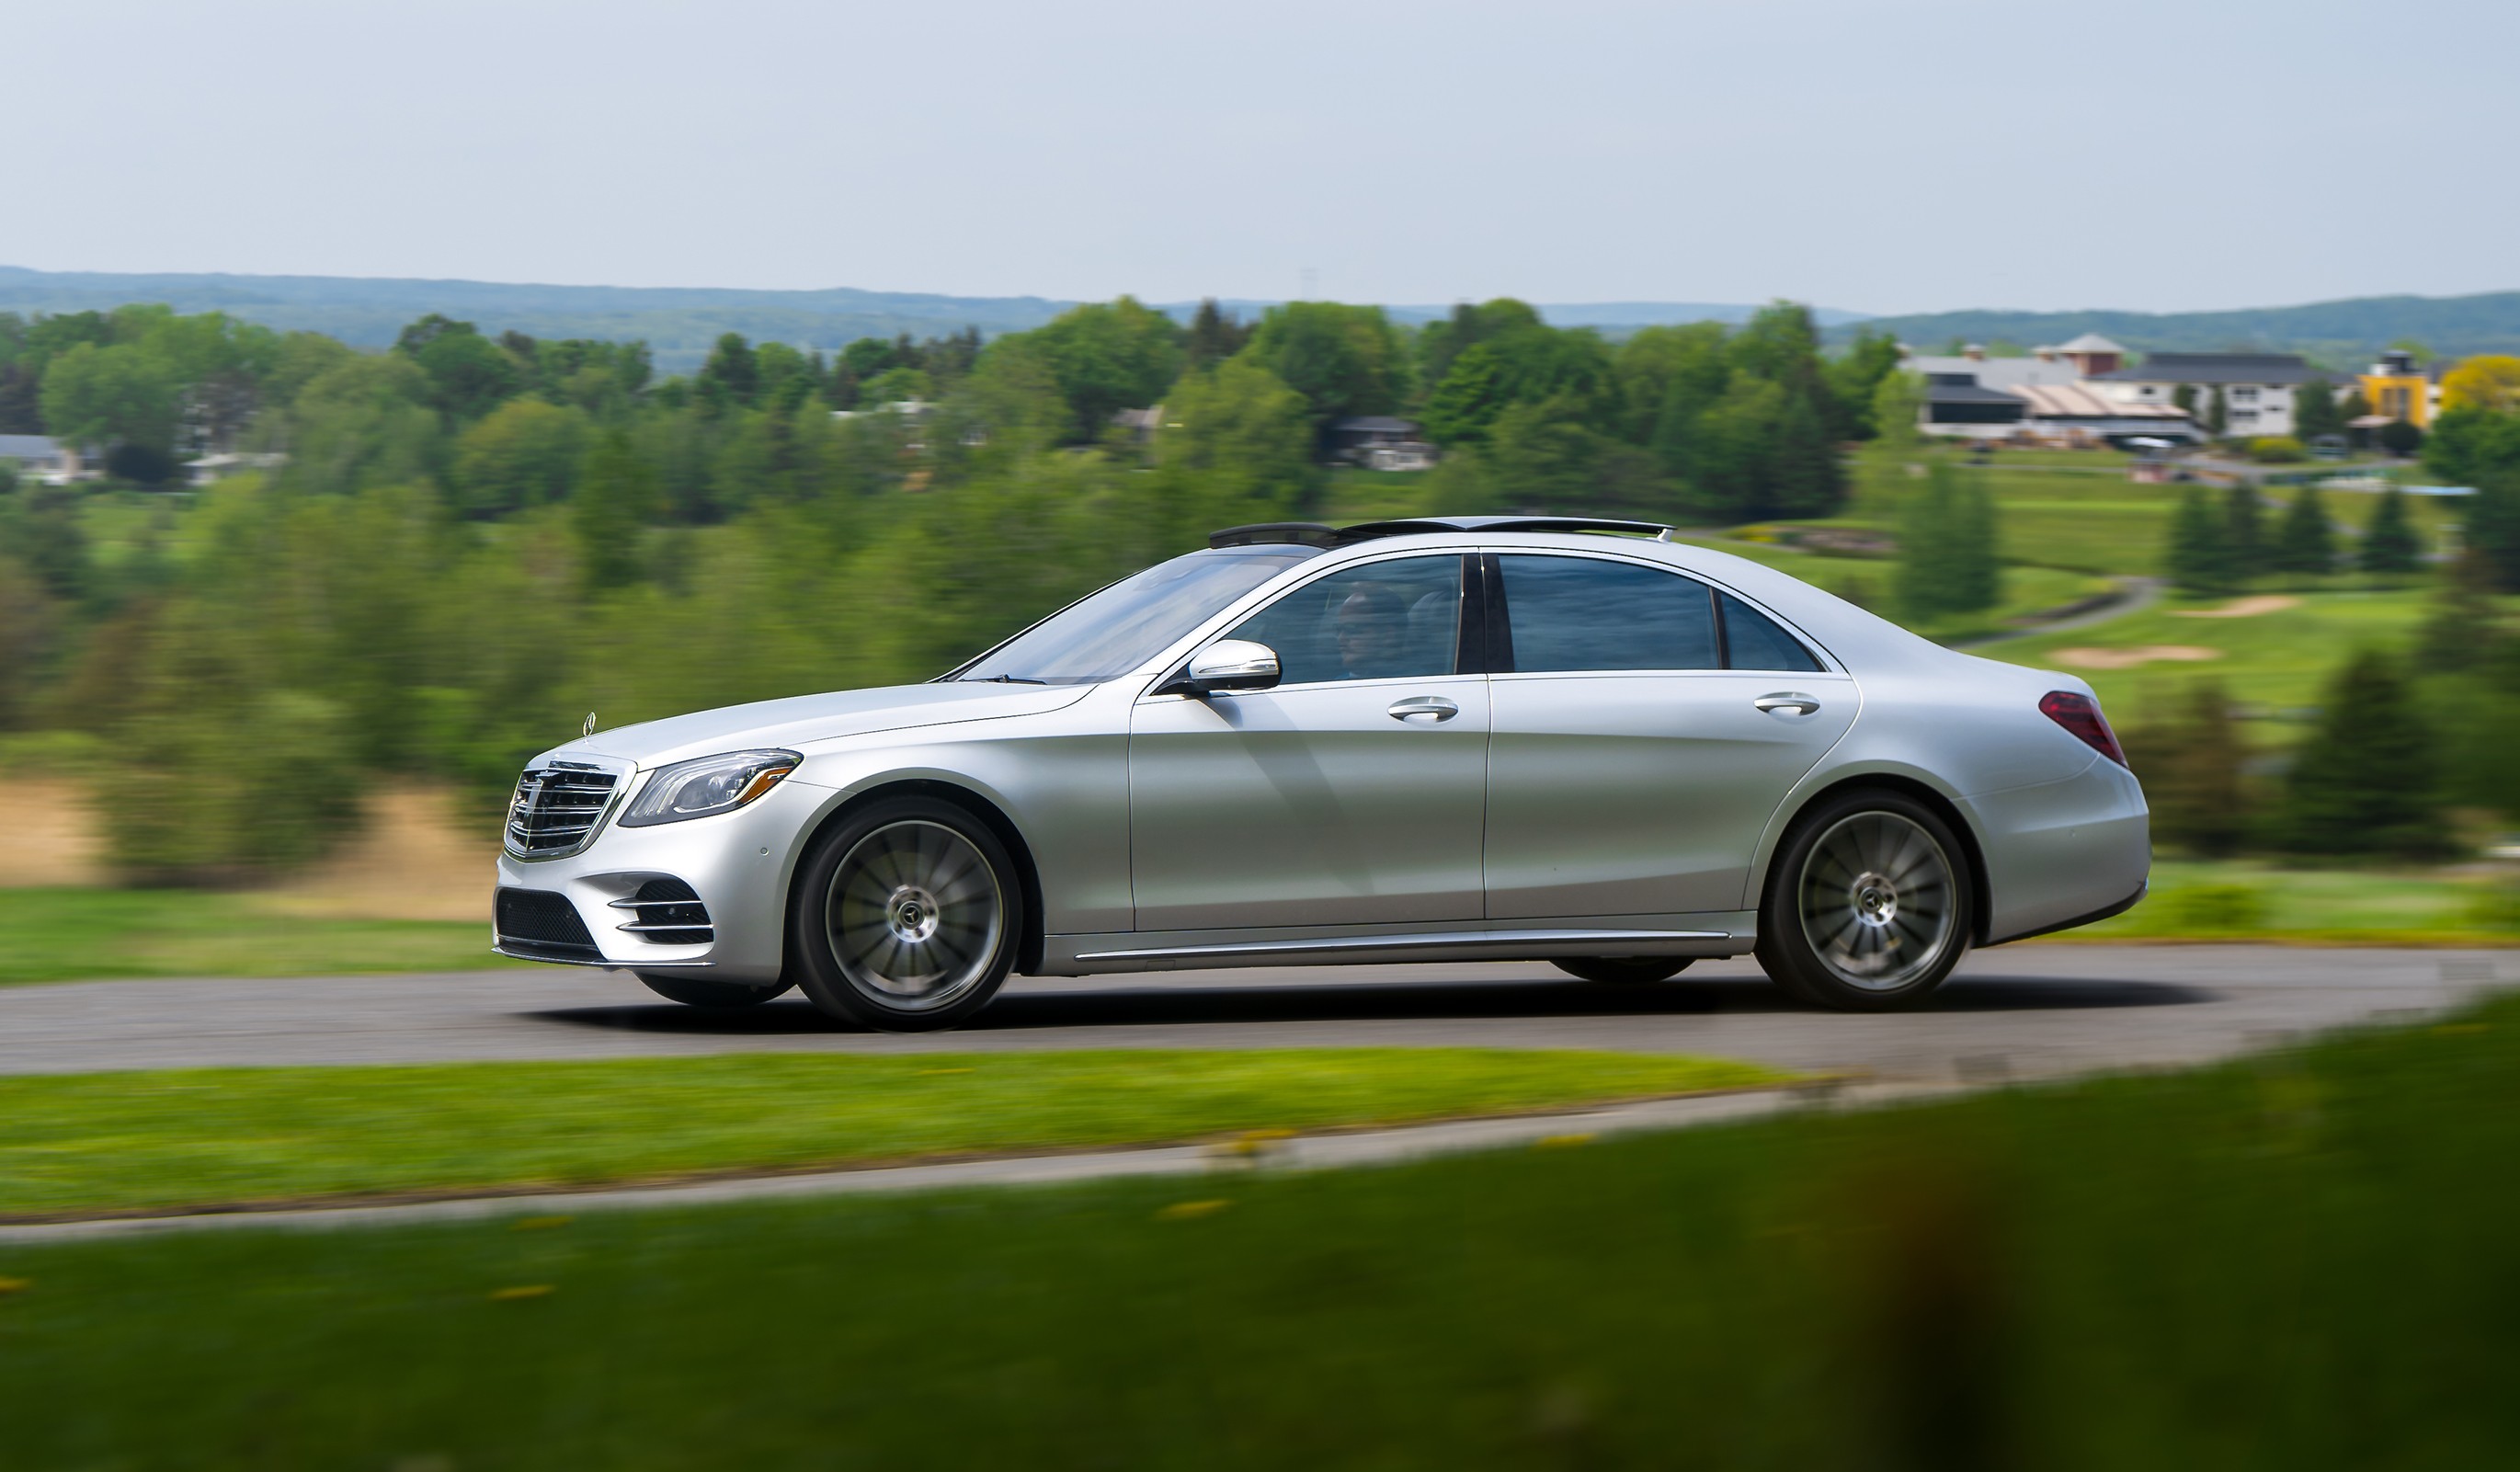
pixel 538 923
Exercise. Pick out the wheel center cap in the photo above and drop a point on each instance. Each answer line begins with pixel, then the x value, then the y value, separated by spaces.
pixel 1876 900
pixel 912 915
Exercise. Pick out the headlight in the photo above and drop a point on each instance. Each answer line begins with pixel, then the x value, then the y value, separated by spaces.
pixel 711 784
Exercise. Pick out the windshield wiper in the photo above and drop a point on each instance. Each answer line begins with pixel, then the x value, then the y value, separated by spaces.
pixel 1004 680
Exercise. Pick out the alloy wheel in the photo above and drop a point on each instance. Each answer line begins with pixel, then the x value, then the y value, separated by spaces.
pixel 1877 901
pixel 916 916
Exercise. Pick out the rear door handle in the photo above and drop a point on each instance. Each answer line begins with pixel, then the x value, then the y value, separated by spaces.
pixel 1792 701
pixel 1434 707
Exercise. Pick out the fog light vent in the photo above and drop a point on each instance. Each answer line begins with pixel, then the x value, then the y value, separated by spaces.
pixel 670 914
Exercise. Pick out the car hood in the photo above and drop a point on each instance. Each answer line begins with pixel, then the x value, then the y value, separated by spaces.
pixel 799 718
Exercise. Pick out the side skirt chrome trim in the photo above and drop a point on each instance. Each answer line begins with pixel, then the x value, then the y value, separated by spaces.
pixel 1451 940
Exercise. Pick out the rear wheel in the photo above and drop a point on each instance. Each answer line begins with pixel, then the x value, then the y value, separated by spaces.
pixel 1623 970
pixel 906 917
pixel 1867 905
pixel 693 991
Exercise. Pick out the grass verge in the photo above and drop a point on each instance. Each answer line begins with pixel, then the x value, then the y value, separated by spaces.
pixel 76 934
pixel 2295 1261
pixel 2239 900
pixel 84 1142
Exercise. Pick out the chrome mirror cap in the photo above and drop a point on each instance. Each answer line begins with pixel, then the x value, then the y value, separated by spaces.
pixel 1231 664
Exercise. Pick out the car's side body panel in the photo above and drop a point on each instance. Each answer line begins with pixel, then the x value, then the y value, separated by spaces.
pixel 1311 805
pixel 1636 793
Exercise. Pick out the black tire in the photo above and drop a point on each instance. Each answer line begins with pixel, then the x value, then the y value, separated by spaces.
pixel 718 995
pixel 906 917
pixel 1869 904
pixel 1623 970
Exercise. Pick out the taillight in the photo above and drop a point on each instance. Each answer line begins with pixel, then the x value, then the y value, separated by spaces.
pixel 2080 715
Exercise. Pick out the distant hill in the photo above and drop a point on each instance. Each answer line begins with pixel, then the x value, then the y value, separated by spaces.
pixel 677 323
pixel 2337 334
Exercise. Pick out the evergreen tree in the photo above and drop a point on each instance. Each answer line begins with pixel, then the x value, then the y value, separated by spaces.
pixel 1213 337
pixel 2245 531
pixel 1948 557
pixel 2200 558
pixel 2462 629
pixel 2493 528
pixel 2305 546
pixel 2217 414
pixel 2193 764
pixel 2314 413
pixel 2183 397
pixel 2391 546
pixel 2366 780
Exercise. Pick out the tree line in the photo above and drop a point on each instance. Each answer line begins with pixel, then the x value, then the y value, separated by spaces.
pixel 474 538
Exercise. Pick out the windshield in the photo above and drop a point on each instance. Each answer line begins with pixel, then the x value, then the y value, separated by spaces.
pixel 1115 631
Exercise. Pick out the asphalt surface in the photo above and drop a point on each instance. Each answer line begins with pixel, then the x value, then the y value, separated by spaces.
pixel 2016 1013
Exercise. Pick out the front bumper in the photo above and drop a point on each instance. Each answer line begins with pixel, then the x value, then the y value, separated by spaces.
pixel 738 863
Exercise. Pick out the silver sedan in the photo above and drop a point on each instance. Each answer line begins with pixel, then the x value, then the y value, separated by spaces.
pixel 1443 740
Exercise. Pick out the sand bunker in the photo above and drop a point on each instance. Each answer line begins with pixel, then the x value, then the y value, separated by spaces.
pixel 53 836
pixel 423 856
pixel 2126 659
pixel 2246 607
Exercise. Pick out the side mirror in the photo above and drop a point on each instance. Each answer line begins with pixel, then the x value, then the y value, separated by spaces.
pixel 1229 664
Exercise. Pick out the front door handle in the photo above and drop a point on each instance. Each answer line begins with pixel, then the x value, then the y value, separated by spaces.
pixel 1794 702
pixel 1433 707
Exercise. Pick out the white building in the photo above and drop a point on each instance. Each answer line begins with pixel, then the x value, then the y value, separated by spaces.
pixel 2257 390
pixel 2050 395
pixel 40 458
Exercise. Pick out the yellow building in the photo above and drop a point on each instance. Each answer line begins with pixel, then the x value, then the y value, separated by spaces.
pixel 2397 389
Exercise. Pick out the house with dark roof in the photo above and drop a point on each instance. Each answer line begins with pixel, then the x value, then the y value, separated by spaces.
pixel 39 457
pixel 2257 390
pixel 1382 442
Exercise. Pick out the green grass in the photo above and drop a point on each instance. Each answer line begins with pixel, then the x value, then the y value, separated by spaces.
pixel 2243 899
pixel 2273 665
pixel 75 934
pixel 2298 1263
pixel 1872 583
pixel 192 1136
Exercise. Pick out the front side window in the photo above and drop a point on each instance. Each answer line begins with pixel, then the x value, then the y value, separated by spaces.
pixel 1107 634
pixel 1377 621
pixel 1580 614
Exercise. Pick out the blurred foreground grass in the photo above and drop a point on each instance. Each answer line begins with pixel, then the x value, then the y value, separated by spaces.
pixel 2294 1261
pixel 203 1137
pixel 2242 900
pixel 75 934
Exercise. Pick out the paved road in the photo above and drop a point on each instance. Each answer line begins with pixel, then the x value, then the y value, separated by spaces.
pixel 2028 1011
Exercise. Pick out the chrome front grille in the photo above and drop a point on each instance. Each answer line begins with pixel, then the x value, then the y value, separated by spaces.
pixel 557 807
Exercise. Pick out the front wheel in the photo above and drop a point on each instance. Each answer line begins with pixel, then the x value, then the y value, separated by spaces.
pixel 1623 970
pixel 906 917
pixel 1868 907
pixel 695 991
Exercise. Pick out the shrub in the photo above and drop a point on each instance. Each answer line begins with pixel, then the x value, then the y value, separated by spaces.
pixel 2215 909
pixel 2276 450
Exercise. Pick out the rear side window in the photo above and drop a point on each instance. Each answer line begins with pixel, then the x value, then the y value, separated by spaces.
pixel 1580 614
pixel 1755 643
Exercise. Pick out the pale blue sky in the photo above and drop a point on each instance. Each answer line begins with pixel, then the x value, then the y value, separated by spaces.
pixel 1881 157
